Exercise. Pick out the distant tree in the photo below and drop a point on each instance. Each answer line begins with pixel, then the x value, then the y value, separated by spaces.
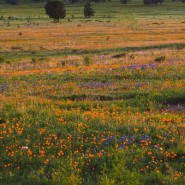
pixel 13 2
pixel 88 10
pixel 161 1
pixel 147 2
pixel 55 10
pixel 39 0
pixel 183 1
pixel 73 1
pixel 96 1
pixel 124 1
pixel 152 2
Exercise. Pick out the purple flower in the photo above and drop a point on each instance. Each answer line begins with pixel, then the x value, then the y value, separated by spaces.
pixel 95 84
pixel 2 87
pixel 142 66
pixel 144 137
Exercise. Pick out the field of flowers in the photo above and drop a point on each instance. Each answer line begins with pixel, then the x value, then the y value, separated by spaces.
pixel 93 102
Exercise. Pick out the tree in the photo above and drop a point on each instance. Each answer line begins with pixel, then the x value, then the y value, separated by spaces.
pixel 13 2
pixel 73 1
pixel 124 1
pixel 152 2
pixel 55 10
pixel 39 0
pixel 88 10
pixel 147 2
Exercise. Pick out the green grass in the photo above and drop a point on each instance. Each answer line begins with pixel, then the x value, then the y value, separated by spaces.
pixel 39 55
pixel 133 10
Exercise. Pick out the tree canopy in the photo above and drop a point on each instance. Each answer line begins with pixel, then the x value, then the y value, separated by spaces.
pixel 55 10
pixel 88 10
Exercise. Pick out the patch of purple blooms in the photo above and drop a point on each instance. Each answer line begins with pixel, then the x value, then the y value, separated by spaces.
pixel 95 84
pixel 123 141
pixel 2 87
pixel 142 66
pixel 142 84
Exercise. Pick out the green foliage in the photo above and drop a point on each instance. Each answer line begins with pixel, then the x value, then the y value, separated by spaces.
pixel 160 58
pixel 55 10
pixel 153 178
pixel 88 10
pixel 152 2
pixel 40 0
pixel 13 2
pixel 66 174
pixel 124 1
pixel 2 59
pixel 118 173
pixel 87 60
pixel 73 1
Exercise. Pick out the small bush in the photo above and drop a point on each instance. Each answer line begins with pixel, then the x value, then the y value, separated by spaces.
pixel 16 48
pixel 8 62
pixel 2 59
pixel 66 175
pixel 88 10
pixel 63 63
pixel 119 55
pixel 87 60
pixel 119 173
pixel 160 58
pixel 2 18
pixel 34 60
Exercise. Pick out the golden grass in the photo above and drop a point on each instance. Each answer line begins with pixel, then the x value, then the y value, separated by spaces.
pixel 92 35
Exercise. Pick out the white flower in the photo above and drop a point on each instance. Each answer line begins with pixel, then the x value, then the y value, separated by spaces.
pixel 25 147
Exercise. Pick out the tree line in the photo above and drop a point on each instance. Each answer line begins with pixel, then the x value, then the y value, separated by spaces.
pixel 56 10
pixel 146 2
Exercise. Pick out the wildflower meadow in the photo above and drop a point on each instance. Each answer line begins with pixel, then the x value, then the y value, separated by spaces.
pixel 93 101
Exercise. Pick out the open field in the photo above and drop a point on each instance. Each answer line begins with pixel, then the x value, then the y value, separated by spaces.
pixel 97 101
